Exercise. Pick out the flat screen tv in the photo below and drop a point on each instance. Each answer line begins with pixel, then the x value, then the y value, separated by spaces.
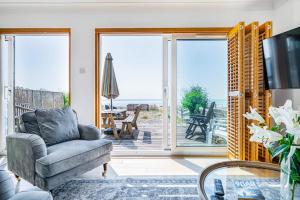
pixel 282 60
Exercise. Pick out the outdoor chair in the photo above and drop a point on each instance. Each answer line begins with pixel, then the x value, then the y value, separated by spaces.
pixel 202 121
pixel 107 107
pixel 130 122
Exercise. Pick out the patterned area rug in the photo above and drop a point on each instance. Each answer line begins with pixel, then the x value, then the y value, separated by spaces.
pixel 133 188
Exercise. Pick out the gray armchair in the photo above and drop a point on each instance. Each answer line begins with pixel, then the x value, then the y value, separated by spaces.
pixel 48 160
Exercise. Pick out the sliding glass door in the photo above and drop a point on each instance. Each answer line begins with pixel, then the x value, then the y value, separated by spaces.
pixel 140 69
pixel 182 83
pixel 199 94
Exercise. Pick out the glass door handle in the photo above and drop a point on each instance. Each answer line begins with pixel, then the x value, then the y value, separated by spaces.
pixel 166 91
pixel 7 92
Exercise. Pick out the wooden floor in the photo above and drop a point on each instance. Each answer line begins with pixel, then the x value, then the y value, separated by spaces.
pixel 138 166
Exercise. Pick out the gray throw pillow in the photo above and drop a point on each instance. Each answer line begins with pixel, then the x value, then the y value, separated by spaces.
pixel 57 125
pixel 29 124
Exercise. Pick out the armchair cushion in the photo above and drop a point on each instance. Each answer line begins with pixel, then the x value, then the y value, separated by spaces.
pixel 68 155
pixel 89 132
pixel 7 189
pixel 57 125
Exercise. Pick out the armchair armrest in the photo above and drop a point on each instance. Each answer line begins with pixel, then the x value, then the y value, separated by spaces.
pixel 23 150
pixel 89 132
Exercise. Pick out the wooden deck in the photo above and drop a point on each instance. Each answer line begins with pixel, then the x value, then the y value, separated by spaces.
pixel 149 136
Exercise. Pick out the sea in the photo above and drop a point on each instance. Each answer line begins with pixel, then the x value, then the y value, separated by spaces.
pixel 221 103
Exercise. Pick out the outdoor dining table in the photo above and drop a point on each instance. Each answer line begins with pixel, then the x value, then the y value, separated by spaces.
pixel 108 119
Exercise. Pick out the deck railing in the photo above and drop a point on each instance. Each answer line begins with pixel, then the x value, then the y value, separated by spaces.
pixel 22 108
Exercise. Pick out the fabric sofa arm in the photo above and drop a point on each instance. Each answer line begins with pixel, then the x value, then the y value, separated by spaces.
pixel 23 150
pixel 89 132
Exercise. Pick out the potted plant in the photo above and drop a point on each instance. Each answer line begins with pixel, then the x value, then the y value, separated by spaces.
pixel 283 140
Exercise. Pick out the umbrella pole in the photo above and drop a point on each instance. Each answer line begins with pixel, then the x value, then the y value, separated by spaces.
pixel 111 108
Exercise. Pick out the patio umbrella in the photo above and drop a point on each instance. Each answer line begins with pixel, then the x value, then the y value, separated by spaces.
pixel 109 82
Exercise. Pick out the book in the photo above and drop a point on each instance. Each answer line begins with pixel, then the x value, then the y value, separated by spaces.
pixel 250 194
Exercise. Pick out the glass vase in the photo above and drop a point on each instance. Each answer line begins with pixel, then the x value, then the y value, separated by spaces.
pixel 287 192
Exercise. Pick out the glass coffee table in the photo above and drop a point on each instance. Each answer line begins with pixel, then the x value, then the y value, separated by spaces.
pixel 241 179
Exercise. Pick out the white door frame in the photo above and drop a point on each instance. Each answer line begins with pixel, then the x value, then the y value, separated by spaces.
pixel 166 91
pixel 7 60
pixel 201 150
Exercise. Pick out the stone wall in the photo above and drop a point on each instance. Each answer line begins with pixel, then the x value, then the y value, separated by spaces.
pixel 39 98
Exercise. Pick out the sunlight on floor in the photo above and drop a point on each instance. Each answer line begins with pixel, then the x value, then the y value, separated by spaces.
pixel 160 166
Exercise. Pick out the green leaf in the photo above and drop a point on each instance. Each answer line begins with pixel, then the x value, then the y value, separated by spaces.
pixel 275 128
pixel 297 154
pixel 285 155
pixel 280 149
pixel 291 138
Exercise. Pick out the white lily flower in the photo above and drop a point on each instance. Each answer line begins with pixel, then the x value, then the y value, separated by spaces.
pixel 296 132
pixel 275 114
pixel 263 135
pixel 253 115
pixel 285 114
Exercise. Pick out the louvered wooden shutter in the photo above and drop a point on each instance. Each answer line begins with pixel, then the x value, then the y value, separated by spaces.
pixel 250 69
pixel 246 87
pixel 236 92
pixel 263 97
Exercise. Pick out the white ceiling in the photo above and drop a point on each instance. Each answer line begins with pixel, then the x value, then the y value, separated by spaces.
pixel 246 4
pixel 138 1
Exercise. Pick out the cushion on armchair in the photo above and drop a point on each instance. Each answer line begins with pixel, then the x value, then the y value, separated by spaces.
pixel 68 155
pixel 7 189
pixel 57 125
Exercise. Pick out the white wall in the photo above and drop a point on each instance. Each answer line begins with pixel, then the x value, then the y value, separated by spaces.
pixel 83 20
pixel 286 17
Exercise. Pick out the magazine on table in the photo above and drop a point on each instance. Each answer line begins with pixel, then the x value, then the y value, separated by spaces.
pixel 253 189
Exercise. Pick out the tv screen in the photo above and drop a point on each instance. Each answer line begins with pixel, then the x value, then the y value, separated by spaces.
pixel 282 60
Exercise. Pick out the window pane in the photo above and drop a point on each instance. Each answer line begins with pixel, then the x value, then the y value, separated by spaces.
pixel 201 83
pixel 41 72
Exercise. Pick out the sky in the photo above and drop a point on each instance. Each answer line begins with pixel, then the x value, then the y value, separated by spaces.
pixel 138 62
pixel 42 62
pixel 202 63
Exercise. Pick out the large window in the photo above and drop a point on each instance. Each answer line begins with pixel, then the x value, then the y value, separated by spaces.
pixel 34 72
pixel 41 72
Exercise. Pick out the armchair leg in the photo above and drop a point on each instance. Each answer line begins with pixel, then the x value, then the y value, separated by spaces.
pixel 104 173
pixel 18 177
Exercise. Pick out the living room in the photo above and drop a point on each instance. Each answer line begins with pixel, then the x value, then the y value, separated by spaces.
pixel 149 99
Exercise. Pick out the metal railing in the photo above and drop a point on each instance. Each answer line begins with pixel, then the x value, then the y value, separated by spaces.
pixel 22 108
